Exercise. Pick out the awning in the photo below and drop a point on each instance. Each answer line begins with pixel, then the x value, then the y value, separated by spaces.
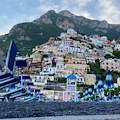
pixel 28 83
pixel 21 63
pixel 24 77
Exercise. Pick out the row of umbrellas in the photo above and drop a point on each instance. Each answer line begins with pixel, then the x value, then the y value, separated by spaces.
pixel 99 87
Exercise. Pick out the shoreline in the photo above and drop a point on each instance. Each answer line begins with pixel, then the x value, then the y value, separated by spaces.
pixel 82 117
pixel 42 109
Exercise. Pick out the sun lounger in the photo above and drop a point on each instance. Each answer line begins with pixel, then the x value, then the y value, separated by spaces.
pixel 8 82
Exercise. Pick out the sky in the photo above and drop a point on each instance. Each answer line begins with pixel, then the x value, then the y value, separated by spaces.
pixel 17 11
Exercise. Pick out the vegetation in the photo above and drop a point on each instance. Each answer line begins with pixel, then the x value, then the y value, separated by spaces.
pixel 108 56
pixel 36 34
pixel 116 54
pixel 95 69
pixel 62 80
pixel 44 56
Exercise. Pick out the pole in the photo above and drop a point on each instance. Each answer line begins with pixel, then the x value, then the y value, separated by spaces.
pixel 8 55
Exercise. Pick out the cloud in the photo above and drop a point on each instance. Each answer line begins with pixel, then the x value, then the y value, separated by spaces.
pixel 9 22
pixel 45 6
pixel 18 11
pixel 109 11
pixel 77 7
pixel 21 11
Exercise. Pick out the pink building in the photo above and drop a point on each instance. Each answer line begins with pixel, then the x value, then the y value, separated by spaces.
pixel 111 64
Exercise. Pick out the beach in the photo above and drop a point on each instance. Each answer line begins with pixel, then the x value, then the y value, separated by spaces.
pixel 42 109
pixel 84 117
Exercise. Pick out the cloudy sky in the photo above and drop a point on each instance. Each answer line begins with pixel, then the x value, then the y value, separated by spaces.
pixel 17 11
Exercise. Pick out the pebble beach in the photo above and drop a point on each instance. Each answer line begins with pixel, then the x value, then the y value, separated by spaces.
pixel 42 109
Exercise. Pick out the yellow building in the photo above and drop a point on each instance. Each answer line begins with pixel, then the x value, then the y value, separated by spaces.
pixel 90 79
pixel 53 93
pixel 37 58
pixel 74 60
pixel 76 65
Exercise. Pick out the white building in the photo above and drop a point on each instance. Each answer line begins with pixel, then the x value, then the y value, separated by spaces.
pixel 60 66
pixel 42 79
pixel 117 47
pixel 103 38
pixel 39 80
pixel 48 70
pixel 96 41
pixel 80 79
pixel 70 31
pixel 68 49
pixel 89 58
pixel 62 35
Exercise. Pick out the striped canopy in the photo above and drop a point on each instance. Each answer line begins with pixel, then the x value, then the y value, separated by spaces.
pixel 78 95
pixel 95 88
pixel 100 85
pixel 109 81
pixel 90 91
pixel 86 93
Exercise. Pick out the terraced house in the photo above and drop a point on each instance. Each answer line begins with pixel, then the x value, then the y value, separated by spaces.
pixel 77 65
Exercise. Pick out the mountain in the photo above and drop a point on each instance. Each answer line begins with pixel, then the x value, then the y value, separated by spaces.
pixel 51 24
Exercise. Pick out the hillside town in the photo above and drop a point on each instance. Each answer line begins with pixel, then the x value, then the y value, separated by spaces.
pixel 51 63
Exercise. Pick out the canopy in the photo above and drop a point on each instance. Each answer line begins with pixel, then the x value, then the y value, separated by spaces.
pixel 21 63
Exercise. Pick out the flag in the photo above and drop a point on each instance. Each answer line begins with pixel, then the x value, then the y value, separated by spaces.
pixel 11 56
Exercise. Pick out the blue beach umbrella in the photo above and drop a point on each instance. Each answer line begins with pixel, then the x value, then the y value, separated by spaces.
pixel 53 98
pixel 78 96
pixel 95 89
pixel 86 93
pixel 90 92
pixel 100 85
pixel 109 82
pixel 83 95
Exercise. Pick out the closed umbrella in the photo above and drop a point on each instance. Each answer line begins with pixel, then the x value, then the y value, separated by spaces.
pixel 109 82
pixel 83 95
pixel 90 92
pixel 100 85
pixel 95 89
pixel 86 93
pixel 78 96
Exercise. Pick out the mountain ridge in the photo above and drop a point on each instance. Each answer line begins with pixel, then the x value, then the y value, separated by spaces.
pixel 51 24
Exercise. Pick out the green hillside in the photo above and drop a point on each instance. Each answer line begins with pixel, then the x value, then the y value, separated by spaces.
pixel 38 34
